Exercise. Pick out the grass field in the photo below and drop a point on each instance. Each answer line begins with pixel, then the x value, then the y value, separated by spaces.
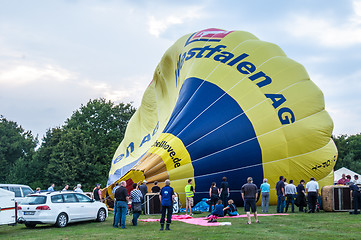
pixel 321 225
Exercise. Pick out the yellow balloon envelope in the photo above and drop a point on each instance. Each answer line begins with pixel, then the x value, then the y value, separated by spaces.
pixel 226 104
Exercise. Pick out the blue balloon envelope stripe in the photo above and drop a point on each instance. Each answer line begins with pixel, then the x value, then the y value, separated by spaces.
pixel 220 149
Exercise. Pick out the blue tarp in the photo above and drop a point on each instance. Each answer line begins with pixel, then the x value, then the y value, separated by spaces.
pixel 202 206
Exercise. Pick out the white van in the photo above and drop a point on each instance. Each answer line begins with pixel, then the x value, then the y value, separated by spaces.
pixel 7 207
pixel 20 190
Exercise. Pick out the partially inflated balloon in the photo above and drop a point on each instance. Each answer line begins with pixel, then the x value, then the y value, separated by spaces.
pixel 225 104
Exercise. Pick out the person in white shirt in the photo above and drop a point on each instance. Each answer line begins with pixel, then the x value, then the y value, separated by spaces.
pixel 312 194
pixel 51 188
pixel 78 188
pixel 356 180
pixel 290 191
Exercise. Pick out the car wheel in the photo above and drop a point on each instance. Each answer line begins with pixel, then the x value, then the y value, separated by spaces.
pixel 101 215
pixel 62 220
pixel 30 225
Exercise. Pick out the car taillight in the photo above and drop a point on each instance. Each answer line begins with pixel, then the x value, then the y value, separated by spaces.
pixel 18 208
pixel 45 207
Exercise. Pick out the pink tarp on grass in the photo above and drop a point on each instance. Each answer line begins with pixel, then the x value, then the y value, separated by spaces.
pixel 203 221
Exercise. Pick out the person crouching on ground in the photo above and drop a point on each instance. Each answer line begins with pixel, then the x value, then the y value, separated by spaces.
pixel 231 209
pixel 166 198
pixel 218 210
pixel 249 196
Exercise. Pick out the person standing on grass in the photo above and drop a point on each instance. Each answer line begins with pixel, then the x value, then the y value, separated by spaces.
pixel 312 194
pixel 214 195
pixel 155 188
pixel 166 198
pixel 78 188
pixel 97 194
pixel 136 197
pixel 301 196
pixel 144 190
pixel 51 188
pixel 280 188
pixel 265 187
pixel 117 185
pixel 290 191
pixel 189 190
pixel 122 198
pixel 356 197
pixel 284 199
pixel 224 191
pixel 356 180
pixel 249 193
pixel 342 180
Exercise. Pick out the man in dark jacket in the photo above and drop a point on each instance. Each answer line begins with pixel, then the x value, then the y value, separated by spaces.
pixel 122 198
pixel 166 197
pixel 280 188
pixel 356 197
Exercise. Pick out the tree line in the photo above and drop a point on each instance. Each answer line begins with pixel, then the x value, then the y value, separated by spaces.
pixel 349 152
pixel 80 151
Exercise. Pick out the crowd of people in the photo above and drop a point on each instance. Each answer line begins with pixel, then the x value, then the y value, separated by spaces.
pixel 219 204
pixel 303 195
pixel 96 193
pixel 355 191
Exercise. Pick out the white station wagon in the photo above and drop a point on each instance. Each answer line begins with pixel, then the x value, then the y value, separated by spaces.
pixel 59 208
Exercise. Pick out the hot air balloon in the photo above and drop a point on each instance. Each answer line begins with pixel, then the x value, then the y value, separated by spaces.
pixel 224 103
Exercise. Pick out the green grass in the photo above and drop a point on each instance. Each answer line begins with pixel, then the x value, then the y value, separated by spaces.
pixel 321 225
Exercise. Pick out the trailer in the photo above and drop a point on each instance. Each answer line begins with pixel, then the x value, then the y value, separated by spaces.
pixel 8 211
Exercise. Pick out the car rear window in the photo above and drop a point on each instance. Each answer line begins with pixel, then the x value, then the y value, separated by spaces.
pixel 82 198
pixel 69 198
pixel 26 190
pixel 57 199
pixel 34 200
pixel 16 190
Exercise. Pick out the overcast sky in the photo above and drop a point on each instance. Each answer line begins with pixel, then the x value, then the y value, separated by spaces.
pixel 57 55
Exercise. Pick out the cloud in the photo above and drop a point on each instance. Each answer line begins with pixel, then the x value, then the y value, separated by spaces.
pixel 342 100
pixel 24 75
pixel 41 96
pixel 326 30
pixel 159 24
pixel 20 75
pixel 129 89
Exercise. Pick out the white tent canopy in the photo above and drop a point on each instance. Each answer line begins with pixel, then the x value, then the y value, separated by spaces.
pixel 338 174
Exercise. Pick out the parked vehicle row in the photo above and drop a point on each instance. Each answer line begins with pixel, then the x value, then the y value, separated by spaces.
pixel 59 208
pixel 20 190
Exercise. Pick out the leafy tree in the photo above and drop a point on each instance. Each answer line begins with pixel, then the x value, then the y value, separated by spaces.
pixel 81 151
pixel 349 152
pixel 17 147
pixel 42 158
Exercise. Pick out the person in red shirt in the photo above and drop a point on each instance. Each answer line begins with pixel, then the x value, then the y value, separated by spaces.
pixel 343 180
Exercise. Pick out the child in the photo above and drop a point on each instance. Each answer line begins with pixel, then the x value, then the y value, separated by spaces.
pixel 231 209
